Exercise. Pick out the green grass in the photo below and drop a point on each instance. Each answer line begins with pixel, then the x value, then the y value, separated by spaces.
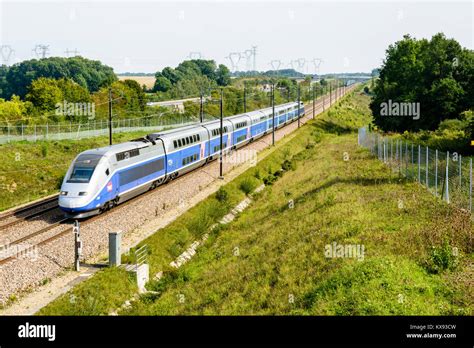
pixel 271 259
pixel 29 170
pixel 91 298
pixel 281 250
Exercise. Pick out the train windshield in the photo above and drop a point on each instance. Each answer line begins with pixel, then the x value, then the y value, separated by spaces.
pixel 83 169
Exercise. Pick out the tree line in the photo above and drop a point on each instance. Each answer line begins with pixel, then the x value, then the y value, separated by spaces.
pixel 32 91
pixel 438 74
pixel 190 78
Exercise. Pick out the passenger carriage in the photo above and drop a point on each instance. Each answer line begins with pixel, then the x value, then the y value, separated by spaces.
pixel 99 179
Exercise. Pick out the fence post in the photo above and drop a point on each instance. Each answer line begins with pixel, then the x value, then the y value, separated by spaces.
pixel 401 158
pixel 391 150
pixel 378 147
pixel 47 131
pixel 447 177
pixel 381 148
pixel 470 184
pixel 460 171
pixel 419 163
pixel 426 178
pixel 412 160
pixel 384 159
pixel 406 159
pixel 396 151
pixel 436 173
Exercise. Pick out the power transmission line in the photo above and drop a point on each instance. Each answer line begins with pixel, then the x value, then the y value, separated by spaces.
pixel 41 51
pixel 74 53
pixel 6 52
pixel 195 55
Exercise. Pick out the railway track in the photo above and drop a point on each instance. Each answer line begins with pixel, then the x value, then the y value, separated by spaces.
pixel 29 212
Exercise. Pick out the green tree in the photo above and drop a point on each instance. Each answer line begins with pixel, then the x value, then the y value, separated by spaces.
pixel 128 100
pixel 89 74
pixel 438 74
pixel 44 94
pixel 223 75
pixel 190 79
pixel 72 91
pixel 14 110
pixel 137 90
pixel 162 84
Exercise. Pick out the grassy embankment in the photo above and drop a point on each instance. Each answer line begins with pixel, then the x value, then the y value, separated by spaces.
pixel 271 259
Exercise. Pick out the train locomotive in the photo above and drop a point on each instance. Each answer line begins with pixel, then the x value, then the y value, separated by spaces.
pixel 102 178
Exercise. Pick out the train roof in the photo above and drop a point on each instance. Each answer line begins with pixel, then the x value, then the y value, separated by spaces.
pixel 215 122
pixel 175 130
pixel 113 149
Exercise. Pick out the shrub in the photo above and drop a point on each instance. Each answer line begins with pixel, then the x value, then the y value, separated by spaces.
pixel 222 195
pixel 452 124
pixel 286 152
pixel 269 179
pixel 199 225
pixel 288 165
pixel 44 150
pixel 247 185
pixel 442 258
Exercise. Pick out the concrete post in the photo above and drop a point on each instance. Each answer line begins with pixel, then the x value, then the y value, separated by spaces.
pixel 115 239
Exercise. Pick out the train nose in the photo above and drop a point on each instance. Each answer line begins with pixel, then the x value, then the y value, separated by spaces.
pixel 74 195
pixel 68 202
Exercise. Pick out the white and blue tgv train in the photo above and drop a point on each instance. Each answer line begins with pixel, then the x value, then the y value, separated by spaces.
pixel 101 178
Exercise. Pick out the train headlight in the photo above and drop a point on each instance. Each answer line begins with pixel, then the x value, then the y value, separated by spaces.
pixel 63 193
pixel 82 193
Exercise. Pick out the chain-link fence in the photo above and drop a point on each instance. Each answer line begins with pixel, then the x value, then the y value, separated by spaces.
pixel 92 128
pixel 446 175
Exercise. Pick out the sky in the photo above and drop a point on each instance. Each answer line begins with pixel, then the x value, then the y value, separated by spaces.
pixel 146 36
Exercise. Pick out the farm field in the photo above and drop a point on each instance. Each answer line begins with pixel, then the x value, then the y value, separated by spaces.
pixel 148 81
pixel 322 191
